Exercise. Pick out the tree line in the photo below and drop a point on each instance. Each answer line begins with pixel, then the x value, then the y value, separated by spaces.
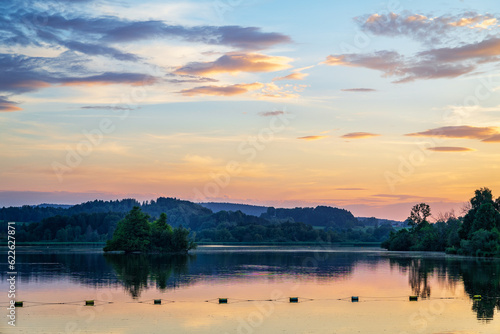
pixel 477 233
pixel 96 221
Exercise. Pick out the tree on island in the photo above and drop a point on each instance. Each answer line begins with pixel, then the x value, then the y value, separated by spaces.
pixel 135 233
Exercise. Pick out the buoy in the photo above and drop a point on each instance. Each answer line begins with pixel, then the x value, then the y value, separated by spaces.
pixel 355 299
pixel 89 303
pixel 157 301
pixel 413 298
pixel 477 297
pixel 18 304
pixel 222 300
pixel 294 299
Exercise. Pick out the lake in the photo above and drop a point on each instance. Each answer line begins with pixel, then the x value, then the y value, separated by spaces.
pixel 55 282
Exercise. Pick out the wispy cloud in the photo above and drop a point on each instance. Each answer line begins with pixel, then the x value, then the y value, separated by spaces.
pixel 93 35
pixel 350 189
pixel 109 78
pixel 236 62
pixel 292 76
pixel 485 134
pixel 449 149
pixel 451 61
pixel 23 74
pixel 6 105
pixel 271 113
pixel 358 135
pixel 312 137
pixel 229 90
pixel 425 27
pixel 359 90
pixel 392 64
pixel 81 36
pixel 272 90
pixel 189 79
pixel 107 107
pixel 492 139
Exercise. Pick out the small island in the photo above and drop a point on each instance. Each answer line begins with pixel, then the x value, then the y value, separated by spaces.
pixel 136 233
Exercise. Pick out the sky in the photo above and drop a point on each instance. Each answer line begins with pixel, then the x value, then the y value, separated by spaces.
pixel 365 105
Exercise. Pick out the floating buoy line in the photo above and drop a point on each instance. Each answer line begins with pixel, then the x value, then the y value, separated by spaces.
pixel 292 300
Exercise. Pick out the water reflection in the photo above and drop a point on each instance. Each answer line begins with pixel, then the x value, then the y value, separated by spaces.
pixel 479 276
pixel 485 281
pixel 138 272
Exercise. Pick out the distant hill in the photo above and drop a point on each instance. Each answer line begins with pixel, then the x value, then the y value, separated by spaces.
pixel 47 205
pixel 372 221
pixel 95 221
pixel 180 212
pixel 319 216
pixel 253 210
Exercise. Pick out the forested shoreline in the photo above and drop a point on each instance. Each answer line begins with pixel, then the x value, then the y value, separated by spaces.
pixel 477 233
pixel 96 221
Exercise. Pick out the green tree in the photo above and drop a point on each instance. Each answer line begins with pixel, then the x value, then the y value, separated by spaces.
pixel 486 217
pixel 132 233
pixel 481 196
pixel 161 234
pixel 419 214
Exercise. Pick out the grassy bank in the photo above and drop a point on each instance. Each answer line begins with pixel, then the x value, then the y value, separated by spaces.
pixel 297 243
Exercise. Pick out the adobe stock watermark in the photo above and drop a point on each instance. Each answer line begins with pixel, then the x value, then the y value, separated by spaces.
pixel 93 138
pixel 221 7
pixel 265 309
pixel 87 314
pixel 407 165
pixel 256 318
pixel 248 151
pixel 419 321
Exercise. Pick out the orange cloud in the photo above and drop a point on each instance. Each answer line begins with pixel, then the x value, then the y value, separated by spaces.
pixel 312 137
pixel 8 106
pixel 485 134
pixel 480 21
pixel 492 139
pixel 450 149
pixel 337 61
pixel 275 91
pixel 229 90
pixel 358 135
pixel 293 76
pixel 414 18
pixel 30 84
pixel 486 23
pixel 236 62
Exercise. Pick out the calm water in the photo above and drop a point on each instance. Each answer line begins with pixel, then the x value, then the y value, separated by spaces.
pixel 258 281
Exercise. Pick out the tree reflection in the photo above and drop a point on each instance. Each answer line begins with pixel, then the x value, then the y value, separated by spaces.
pixel 138 271
pixel 480 277
pixel 419 278
pixel 483 279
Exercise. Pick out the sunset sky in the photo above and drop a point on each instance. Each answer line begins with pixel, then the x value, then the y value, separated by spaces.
pixel 366 105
